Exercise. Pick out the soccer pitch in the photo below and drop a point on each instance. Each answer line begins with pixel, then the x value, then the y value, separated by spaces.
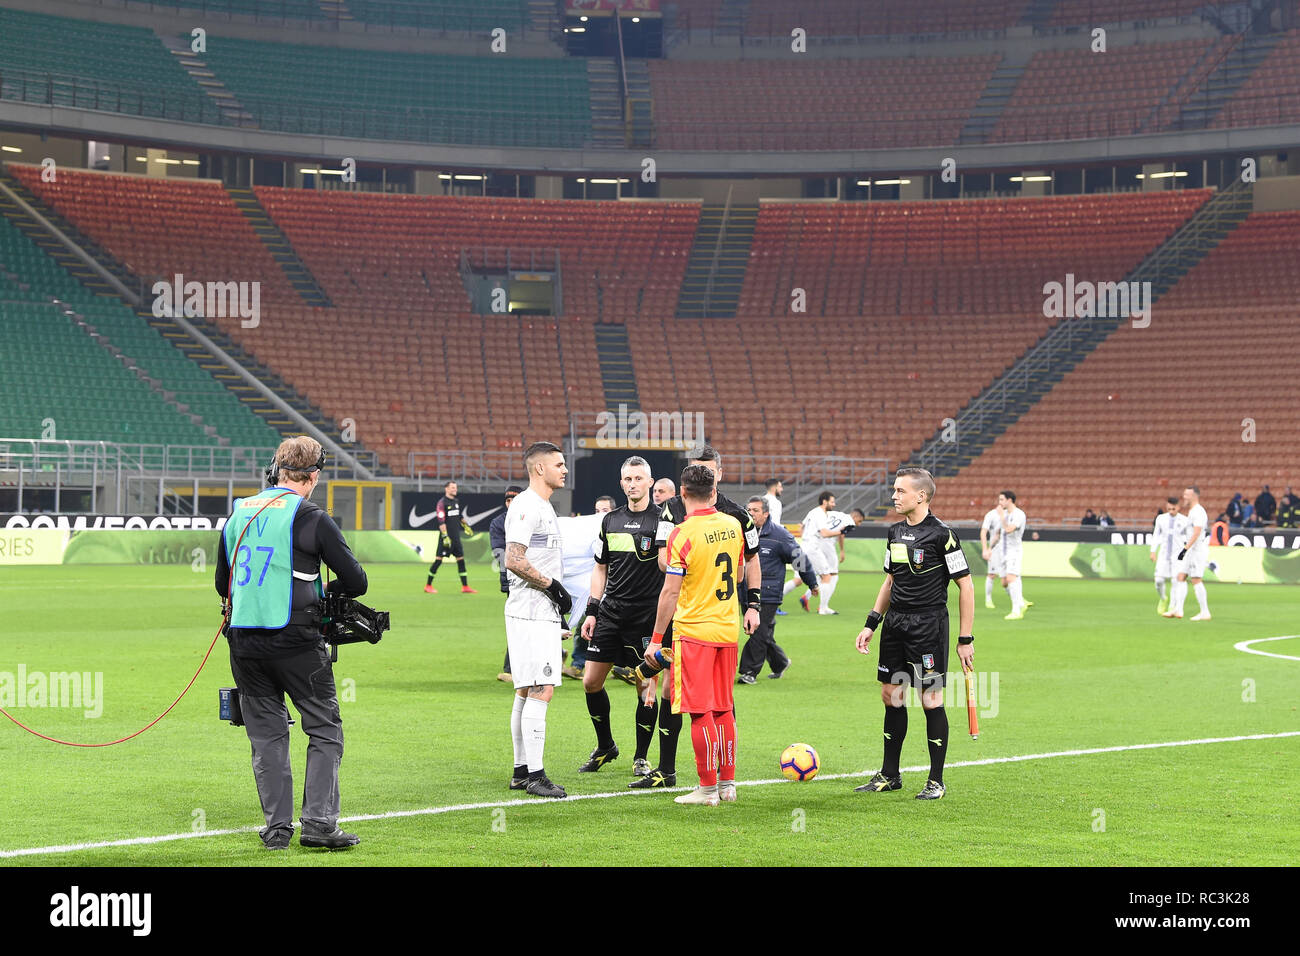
pixel 1072 692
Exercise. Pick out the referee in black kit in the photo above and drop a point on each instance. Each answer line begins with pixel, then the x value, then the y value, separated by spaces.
pixel 922 555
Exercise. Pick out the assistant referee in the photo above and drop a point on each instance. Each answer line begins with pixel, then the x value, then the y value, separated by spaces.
pixel 922 555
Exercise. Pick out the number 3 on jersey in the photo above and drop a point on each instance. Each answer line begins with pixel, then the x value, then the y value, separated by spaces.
pixel 242 562
pixel 728 577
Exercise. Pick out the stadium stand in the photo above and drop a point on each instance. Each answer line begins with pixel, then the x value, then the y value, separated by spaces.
pixel 103 66
pixel 834 18
pixel 1076 94
pixel 1098 12
pixel 470 100
pixel 1166 404
pixel 57 361
pixel 1272 93
pixel 816 104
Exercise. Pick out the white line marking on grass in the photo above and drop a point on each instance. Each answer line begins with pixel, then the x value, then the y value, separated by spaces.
pixel 1245 646
pixel 434 811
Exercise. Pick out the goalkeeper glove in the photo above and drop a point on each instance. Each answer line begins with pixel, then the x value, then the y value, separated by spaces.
pixel 1182 554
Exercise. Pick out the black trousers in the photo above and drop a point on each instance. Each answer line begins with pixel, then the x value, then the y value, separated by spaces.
pixel 308 679
pixel 762 645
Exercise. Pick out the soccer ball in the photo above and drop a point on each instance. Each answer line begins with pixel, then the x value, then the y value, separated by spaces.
pixel 800 762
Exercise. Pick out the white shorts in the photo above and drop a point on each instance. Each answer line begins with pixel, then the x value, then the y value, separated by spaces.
pixel 534 651
pixel 1009 561
pixel 822 557
pixel 1194 564
pixel 995 562
pixel 1166 566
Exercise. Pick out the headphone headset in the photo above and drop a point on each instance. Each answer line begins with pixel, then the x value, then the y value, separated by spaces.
pixel 273 469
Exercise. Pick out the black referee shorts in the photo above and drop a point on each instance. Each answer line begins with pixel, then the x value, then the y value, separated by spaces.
pixel 620 638
pixel 914 648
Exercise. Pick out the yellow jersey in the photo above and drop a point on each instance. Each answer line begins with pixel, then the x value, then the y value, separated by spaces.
pixel 707 551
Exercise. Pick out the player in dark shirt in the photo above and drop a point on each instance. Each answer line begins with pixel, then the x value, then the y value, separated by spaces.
pixel 672 514
pixel 449 524
pixel 625 586
pixel 922 555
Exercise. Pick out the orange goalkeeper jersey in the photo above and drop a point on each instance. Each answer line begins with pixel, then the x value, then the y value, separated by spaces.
pixel 707 551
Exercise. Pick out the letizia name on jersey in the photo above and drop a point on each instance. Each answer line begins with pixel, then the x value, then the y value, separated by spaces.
pixel 722 534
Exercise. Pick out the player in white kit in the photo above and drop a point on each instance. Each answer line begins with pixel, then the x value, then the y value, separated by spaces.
pixel 838 523
pixel 989 529
pixel 1010 548
pixel 815 542
pixel 1193 558
pixel 1166 541
pixel 535 613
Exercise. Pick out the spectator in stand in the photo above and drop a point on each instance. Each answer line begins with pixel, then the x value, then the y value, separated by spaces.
pixel 1106 521
pixel 1234 512
pixel 1266 507
pixel 1249 519
pixel 1288 510
pixel 1089 518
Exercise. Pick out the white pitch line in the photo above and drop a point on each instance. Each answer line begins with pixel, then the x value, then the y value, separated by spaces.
pixel 1245 646
pixel 433 811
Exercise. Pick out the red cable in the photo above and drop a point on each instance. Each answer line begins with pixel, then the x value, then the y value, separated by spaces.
pixel 225 618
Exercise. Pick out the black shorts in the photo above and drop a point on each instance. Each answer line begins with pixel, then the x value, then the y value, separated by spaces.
pixel 449 547
pixel 620 638
pixel 914 648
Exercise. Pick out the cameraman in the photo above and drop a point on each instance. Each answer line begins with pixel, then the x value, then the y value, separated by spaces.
pixel 276 642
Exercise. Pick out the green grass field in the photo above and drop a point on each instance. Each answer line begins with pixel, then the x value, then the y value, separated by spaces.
pixel 1092 666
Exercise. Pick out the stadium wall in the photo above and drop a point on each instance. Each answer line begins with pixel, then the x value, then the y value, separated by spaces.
pixel 1042 559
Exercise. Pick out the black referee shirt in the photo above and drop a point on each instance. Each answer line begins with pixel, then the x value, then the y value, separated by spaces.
pixel 674 513
pixel 923 558
pixel 627 549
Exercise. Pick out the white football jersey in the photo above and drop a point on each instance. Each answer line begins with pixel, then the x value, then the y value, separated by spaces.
pixel 1197 518
pixel 813 522
pixel 838 521
pixel 1170 534
pixel 992 525
pixel 773 507
pixel 531 521
pixel 579 542
pixel 1011 540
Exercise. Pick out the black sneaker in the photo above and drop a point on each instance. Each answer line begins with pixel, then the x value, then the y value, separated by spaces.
pixel 746 679
pixel 932 791
pixel 317 836
pixel 277 839
pixel 777 675
pixel 655 778
pixel 598 759
pixel 542 787
pixel 624 674
pixel 880 782
pixel 518 783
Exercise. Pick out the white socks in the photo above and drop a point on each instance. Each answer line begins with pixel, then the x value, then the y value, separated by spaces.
pixel 1179 596
pixel 988 590
pixel 827 590
pixel 517 730
pixel 1017 592
pixel 533 726
pixel 1162 587
pixel 1199 590
pixel 790 585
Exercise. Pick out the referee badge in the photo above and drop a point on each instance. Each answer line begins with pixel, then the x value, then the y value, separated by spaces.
pixel 918 556
pixel 646 541
pixel 927 661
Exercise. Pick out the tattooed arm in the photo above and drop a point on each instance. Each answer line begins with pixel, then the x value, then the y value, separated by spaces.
pixel 520 565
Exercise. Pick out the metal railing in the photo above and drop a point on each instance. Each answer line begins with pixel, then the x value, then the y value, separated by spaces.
pixel 466 466
pixel 36 456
